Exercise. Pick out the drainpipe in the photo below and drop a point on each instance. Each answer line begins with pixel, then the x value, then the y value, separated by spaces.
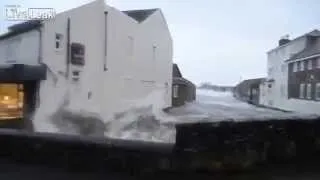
pixel 68 50
pixel 40 45
pixel 105 41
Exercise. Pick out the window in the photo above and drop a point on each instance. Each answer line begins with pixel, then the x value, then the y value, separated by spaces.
pixel 76 73
pixel 308 91
pixel 317 91
pixel 302 66
pixel 301 92
pixel 75 76
pixel 295 67
pixel 175 91
pixel 318 62
pixel 254 92
pixel 310 64
pixel 11 101
pixel 58 41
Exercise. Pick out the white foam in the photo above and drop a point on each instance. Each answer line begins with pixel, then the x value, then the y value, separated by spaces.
pixel 143 119
pixel 63 112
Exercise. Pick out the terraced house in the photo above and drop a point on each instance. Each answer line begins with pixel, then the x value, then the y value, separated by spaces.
pixel 293 81
pixel 107 57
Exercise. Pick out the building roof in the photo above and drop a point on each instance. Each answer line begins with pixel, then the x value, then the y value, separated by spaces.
pixel 312 48
pixel 249 82
pixel 21 28
pixel 182 81
pixel 176 71
pixel 313 33
pixel 141 14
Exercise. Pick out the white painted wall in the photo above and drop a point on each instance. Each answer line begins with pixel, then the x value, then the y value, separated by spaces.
pixel 20 49
pixel 134 71
pixel 277 96
pixel 129 76
pixel 86 28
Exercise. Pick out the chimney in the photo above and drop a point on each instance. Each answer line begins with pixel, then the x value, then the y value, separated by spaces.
pixel 284 40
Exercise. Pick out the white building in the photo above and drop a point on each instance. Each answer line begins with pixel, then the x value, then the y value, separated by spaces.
pixel 110 57
pixel 282 87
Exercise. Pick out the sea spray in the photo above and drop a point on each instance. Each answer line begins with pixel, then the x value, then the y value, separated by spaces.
pixel 143 120
pixel 62 112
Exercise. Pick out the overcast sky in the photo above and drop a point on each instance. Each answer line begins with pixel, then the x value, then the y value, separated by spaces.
pixel 217 41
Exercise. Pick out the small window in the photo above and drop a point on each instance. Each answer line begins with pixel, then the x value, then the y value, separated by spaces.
pixel 310 64
pixel 295 67
pixel 76 76
pixel 301 92
pixel 254 92
pixel 318 62
pixel 308 91
pixel 75 73
pixel 175 91
pixel 58 41
pixel 317 91
pixel 301 66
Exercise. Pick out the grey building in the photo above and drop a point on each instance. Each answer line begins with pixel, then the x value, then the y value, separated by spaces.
pixel 183 90
pixel 304 71
pixel 248 90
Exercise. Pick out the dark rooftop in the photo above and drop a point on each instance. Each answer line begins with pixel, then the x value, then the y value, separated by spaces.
pixel 249 82
pixel 312 48
pixel 176 71
pixel 140 15
pixel 313 33
pixel 21 28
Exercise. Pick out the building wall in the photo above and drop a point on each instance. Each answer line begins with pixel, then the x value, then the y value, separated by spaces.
pixel 306 76
pixel 85 28
pixel 131 60
pixel 275 93
pixel 155 33
pixel 131 71
pixel 23 48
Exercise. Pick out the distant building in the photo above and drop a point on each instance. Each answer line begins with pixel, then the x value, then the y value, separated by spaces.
pixel 183 90
pixel 220 88
pixel 293 81
pixel 248 90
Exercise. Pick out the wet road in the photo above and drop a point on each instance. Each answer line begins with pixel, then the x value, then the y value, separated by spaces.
pixel 148 123
pixel 151 125
pixel 220 106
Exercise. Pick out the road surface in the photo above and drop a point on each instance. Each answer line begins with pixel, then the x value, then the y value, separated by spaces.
pixel 209 106
pixel 145 121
